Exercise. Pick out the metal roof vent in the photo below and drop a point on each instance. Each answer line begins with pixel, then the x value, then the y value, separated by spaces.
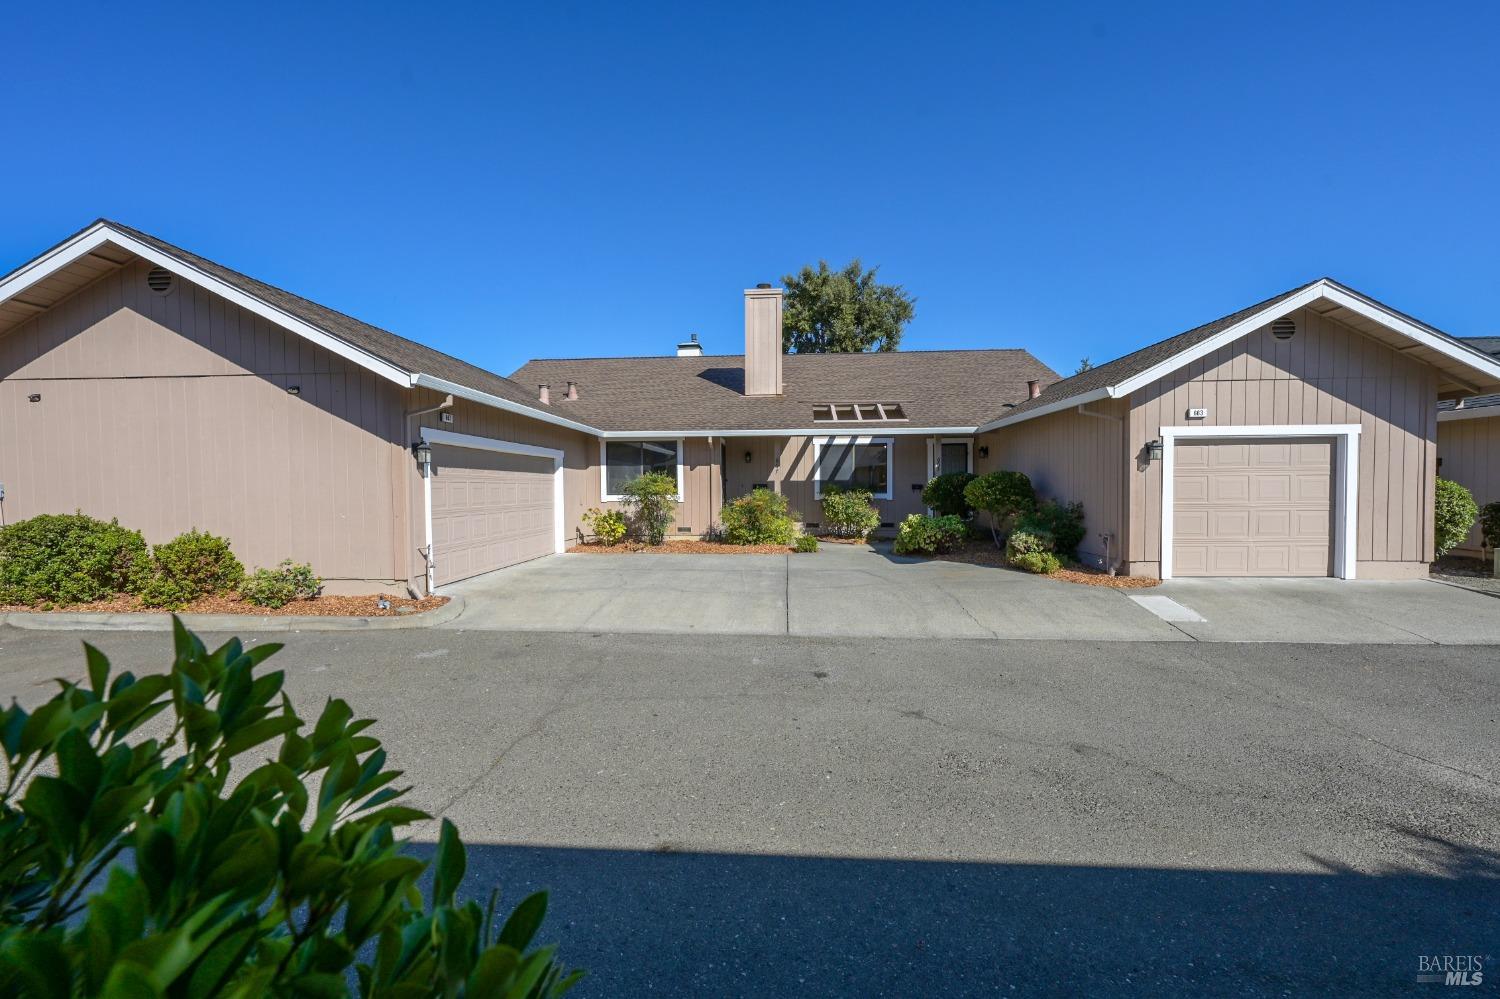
pixel 159 280
pixel 1284 329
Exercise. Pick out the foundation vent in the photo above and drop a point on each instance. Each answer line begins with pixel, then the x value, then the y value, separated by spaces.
pixel 1284 329
pixel 159 280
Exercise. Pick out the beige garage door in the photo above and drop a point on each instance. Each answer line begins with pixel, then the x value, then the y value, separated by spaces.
pixel 1253 508
pixel 489 510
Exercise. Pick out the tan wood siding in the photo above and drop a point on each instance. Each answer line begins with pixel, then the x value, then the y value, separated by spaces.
pixel 1326 373
pixel 1470 451
pixel 172 412
pixel 1070 457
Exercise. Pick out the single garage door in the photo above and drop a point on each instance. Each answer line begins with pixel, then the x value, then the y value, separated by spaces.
pixel 1253 508
pixel 489 510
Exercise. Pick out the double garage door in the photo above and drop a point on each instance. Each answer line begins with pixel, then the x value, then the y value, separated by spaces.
pixel 1253 508
pixel 489 510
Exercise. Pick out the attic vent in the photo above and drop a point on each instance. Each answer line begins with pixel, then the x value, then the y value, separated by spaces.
pixel 1283 329
pixel 159 280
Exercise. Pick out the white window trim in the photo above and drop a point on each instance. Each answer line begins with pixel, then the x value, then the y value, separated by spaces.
pixel 890 462
pixel 434 436
pixel 1345 485
pixel 604 494
pixel 936 464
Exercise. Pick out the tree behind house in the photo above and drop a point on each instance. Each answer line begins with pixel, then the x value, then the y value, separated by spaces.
pixel 845 311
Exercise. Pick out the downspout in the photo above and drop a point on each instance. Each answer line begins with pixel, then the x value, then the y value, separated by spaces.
pixel 1110 563
pixel 414 414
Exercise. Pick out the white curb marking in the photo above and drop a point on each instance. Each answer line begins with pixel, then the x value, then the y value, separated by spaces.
pixel 1168 609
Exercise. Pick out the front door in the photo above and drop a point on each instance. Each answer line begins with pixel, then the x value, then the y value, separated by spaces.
pixel 954 457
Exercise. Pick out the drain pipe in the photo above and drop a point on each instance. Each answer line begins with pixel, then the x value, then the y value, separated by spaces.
pixel 426 466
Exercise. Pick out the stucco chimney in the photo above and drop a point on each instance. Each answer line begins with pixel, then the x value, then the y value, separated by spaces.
pixel 763 340
pixel 572 391
pixel 1033 388
pixel 544 395
pixel 690 347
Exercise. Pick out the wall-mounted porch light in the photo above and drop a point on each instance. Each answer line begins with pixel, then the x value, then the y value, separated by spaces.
pixel 748 457
pixel 422 451
pixel 984 450
pixel 1153 450
pixel 294 390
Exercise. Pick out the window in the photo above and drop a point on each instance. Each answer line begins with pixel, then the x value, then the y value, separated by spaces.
pixel 857 412
pixel 626 460
pixel 954 457
pixel 853 463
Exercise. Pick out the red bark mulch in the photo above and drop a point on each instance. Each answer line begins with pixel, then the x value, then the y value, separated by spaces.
pixel 325 606
pixel 984 553
pixel 684 547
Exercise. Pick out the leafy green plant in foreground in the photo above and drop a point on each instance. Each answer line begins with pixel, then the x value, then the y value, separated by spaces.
pixel 213 887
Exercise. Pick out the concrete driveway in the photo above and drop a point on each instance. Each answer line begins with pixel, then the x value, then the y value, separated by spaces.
pixel 858 591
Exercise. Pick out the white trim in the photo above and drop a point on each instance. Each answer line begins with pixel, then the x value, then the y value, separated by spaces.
pixel 496 402
pixel 101 233
pixel 430 570
pixel 890 462
pixel 559 528
pixel 820 431
pixel 1477 413
pixel 1345 486
pixel 1323 289
pixel 604 495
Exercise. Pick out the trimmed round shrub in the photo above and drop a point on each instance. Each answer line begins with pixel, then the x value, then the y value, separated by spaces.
pixel 849 513
pixel 1005 496
pixel 923 535
pixel 192 565
pixel 280 586
pixel 1063 522
pixel 1022 542
pixel 1489 525
pixel 69 558
pixel 944 495
pixel 805 543
pixel 1041 563
pixel 651 499
pixel 1454 513
pixel 761 517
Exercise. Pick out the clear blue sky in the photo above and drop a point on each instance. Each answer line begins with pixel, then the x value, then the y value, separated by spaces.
pixel 577 179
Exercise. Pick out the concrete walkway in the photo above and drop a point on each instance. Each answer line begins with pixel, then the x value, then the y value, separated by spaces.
pixel 856 591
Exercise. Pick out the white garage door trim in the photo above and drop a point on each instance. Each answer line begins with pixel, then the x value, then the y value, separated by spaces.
pixel 434 436
pixel 1346 488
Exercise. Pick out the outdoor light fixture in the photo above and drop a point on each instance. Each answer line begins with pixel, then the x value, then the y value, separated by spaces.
pixel 422 451
pixel 1153 450
pixel 984 450
pixel 294 390
pixel 34 397
pixel 747 457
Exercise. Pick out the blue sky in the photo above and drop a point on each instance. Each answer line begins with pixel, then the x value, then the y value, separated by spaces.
pixel 575 179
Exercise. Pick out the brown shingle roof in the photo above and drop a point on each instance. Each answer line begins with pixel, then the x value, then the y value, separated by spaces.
pixel 938 388
pixel 408 355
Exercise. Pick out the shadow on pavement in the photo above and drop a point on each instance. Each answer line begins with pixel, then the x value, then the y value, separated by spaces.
pixel 701 924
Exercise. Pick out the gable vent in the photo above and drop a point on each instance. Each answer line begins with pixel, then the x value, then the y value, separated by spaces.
pixel 1284 329
pixel 159 280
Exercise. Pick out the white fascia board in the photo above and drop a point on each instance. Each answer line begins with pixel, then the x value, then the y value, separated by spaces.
pixel 1477 413
pixel 97 235
pixel 494 401
pixel 1051 407
pixel 824 431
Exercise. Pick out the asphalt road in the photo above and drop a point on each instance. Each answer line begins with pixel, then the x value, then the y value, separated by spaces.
pixel 784 816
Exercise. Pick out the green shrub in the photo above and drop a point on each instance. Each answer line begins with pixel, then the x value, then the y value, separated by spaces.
pixel 1005 496
pixel 280 586
pixel 761 517
pixel 1489 525
pixel 68 558
pixel 805 543
pixel 929 535
pixel 191 565
pixel 651 499
pixel 1453 515
pixel 287 879
pixel 1024 542
pixel 1041 563
pixel 1063 522
pixel 849 513
pixel 944 495
pixel 607 526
